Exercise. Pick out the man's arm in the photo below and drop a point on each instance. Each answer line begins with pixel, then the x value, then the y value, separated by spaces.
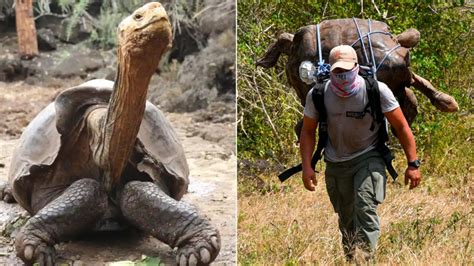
pixel 307 142
pixel 404 134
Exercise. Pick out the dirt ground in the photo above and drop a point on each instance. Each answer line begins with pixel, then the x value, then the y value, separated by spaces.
pixel 210 150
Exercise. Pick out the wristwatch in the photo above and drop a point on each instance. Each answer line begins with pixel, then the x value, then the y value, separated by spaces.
pixel 416 163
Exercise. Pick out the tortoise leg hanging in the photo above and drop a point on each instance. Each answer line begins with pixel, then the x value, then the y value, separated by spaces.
pixel 176 223
pixel 441 100
pixel 73 212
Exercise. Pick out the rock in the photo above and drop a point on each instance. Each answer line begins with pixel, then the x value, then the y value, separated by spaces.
pixel 103 73
pixel 187 41
pixel 194 99
pixel 69 33
pixel 12 217
pixel 225 78
pixel 13 225
pixel 49 22
pixel 46 40
pixel 11 68
pixel 78 62
pixel 217 18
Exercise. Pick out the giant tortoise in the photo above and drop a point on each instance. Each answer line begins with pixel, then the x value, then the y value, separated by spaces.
pixel 391 54
pixel 100 152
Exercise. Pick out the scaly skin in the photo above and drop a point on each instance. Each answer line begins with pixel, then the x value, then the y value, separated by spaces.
pixel 176 223
pixel 65 217
pixel 143 204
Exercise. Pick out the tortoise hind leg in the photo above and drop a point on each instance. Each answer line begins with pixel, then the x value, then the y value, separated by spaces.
pixel 176 223
pixel 73 212
pixel 408 104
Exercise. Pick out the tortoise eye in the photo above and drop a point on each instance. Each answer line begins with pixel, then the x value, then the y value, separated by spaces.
pixel 137 16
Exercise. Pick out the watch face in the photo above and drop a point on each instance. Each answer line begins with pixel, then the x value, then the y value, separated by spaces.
pixel 415 163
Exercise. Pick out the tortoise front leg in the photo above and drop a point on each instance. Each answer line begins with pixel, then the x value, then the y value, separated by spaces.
pixel 76 210
pixel 441 100
pixel 176 223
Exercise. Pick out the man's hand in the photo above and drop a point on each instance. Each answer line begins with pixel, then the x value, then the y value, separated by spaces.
pixel 309 179
pixel 404 134
pixel 412 174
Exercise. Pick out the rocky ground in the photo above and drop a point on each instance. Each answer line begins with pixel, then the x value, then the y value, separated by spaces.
pixel 209 146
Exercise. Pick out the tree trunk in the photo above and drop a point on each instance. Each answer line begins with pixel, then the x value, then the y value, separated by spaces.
pixel 25 28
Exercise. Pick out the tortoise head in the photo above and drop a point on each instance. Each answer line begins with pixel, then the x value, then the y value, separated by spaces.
pixel 146 33
pixel 409 38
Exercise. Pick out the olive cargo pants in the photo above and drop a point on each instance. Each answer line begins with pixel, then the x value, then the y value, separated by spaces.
pixel 355 188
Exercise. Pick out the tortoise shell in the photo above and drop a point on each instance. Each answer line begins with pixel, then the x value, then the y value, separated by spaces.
pixel 53 149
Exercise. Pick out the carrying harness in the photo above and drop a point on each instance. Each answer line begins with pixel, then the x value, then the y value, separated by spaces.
pixel 373 107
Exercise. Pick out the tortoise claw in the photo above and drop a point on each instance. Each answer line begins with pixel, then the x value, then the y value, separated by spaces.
pixel 215 243
pixel 182 260
pixel 205 255
pixel 200 250
pixel 39 253
pixel 192 260
pixel 29 252
pixel 32 249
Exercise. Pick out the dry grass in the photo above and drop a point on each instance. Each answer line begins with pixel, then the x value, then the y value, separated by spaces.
pixel 289 225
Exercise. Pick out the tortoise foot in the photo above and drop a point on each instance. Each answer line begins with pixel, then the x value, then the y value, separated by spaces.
pixel 445 102
pixel 74 212
pixel 6 193
pixel 199 250
pixel 32 249
pixel 176 223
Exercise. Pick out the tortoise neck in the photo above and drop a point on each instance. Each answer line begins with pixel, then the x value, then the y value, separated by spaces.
pixel 124 114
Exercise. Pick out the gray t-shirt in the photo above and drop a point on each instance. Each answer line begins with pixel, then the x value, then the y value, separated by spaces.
pixel 349 134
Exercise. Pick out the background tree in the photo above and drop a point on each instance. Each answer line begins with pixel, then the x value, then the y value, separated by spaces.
pixel 25 28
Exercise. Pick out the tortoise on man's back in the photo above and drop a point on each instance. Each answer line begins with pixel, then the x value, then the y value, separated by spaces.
pixel 391 54
pixel 101 148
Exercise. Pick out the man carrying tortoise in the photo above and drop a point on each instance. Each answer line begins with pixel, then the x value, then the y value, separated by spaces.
pixel 355 169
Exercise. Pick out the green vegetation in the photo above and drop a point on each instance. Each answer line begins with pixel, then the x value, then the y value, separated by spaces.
pixel 103 27
pixel 268 109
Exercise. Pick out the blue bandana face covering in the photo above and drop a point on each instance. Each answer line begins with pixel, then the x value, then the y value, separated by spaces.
pixel 347 83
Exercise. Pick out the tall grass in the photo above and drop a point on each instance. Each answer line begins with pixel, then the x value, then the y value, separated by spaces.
pixel 296 226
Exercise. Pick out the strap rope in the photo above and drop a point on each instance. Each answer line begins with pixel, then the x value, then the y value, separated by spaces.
pixel 323 68
pixel 374 67
pixel 371 50
pixel 361 42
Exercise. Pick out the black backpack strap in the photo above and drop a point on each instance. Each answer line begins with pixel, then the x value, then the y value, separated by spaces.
pixel 373 94
pixel 318 101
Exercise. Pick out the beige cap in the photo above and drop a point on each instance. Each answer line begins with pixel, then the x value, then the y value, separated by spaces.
pixel 342 56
